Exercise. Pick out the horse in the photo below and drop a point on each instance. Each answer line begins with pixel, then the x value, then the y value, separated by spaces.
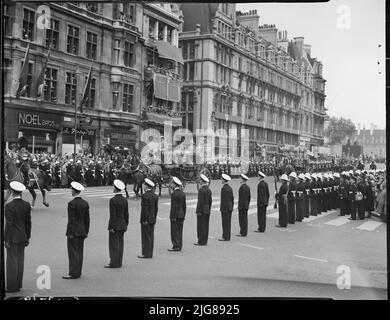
pixel 13 173
pixel 152 172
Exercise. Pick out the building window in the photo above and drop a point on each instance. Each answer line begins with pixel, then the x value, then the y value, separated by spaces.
pixel 129 54
pixel 52 34
pixel 115 95
pixel 90 103
pixel 50 89
pixel 127 105
pixel 91 45
pixel 72 44
pixel 29 80
pixel 70 88
pixel 187 110
pixel 129 12
pixel 239 108
pixel 189 71
pixel 117 50
pixel 28 24
pixel 7 21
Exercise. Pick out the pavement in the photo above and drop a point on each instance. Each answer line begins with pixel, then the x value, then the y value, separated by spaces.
pixel 313 258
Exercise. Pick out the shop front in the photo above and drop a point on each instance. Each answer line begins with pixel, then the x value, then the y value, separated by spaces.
pixel 84 140
pixel 121 138
pixel 41 129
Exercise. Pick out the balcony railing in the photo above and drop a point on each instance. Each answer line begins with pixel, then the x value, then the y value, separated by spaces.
pixel 149 70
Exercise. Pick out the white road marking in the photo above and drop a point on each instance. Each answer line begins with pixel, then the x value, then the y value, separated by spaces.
pixel 159 218
pixel 249 246
pixel 273 215
pixel 211 237
pixel 338 221
pixel 309 258
pixel 370 225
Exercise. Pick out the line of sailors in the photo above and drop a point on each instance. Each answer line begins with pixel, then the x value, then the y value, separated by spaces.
pixel 299 197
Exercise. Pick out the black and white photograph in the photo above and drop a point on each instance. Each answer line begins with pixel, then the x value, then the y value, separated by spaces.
pixel 194 150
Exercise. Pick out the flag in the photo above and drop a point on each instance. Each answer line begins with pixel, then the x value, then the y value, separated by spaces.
pixel 86 89
pixel 41 78
pixel 23 74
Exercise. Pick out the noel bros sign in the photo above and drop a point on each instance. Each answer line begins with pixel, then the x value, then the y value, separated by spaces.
pixel 36 120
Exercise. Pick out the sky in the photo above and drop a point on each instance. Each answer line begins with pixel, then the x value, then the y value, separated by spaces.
pixel 350 52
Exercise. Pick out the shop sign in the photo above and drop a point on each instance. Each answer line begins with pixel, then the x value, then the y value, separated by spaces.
pixel 37 120
pixel 80 131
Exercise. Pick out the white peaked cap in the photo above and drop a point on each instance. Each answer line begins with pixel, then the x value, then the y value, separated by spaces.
pixel 284 177
pixel 204 178
pixel 293 174
pixel 244 176
pixel 261 174
pixel 149 182
pixel 17 186
pixel 301 176
pixel 177 181
pixel 77 186
pixel 226 177
pixel 119 184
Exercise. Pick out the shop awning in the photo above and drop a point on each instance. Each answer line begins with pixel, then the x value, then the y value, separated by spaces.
pixel 166 88
pixel 168 51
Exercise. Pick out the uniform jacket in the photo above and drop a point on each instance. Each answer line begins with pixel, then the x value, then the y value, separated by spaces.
pixel 149 207
pixel 301 189
pixel 119 213
pixel 204 200
pixel 352 191
pixel 227 198
pixel 244 197
pixel 178 205
pixel 17 221
pixel 343 191
pixel 262 194
pixel 283 190
pixel 292 186
pixel 78 218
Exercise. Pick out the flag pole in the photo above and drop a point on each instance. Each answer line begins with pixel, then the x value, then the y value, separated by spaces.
pixel 77 74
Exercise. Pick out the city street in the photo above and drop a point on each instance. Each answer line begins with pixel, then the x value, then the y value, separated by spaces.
pixel 299 261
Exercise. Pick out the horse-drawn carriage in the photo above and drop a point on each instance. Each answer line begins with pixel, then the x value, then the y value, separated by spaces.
pixel 186 173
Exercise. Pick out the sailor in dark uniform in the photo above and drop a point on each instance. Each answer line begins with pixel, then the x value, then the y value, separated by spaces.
pixel 336 191
pixel 300 198
pixel 352 197
pixel 292 198
pixel 149 209
pixel 319 193
pixel 369 196
pixel 17 234
pixel 76 231
pixel 117 225
pixel 203 209
pixel 262 203
pixel 177 215
pixel 343 194
pixel 244 198
pixel 360 196
pixel 307 195
pixel 226 207
pixel 281 196
pixel 313 195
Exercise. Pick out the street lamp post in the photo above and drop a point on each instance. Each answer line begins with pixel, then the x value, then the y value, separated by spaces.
pixel 77 73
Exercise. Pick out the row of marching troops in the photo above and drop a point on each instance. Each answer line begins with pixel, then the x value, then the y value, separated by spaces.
pixel 298 198
pixel 353 192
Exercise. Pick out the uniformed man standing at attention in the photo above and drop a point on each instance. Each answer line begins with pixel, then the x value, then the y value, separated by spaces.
pixel 117 225
pixel 281 196
pixel 226 207
pixel 244 198
pixel 307 195
pixel 343 195
pixel 177 215
pixel 292 198
pixel 17 234
pixel 352 197
pixel 262 202
pixel 76 231
pixel 203 209
pixel 299 198
pixel 149 209
pixel 313 195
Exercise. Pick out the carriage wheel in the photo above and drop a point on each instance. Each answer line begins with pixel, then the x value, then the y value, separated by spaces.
pixel 207 173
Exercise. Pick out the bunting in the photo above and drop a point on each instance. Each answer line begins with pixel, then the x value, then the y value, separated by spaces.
pixel 22 85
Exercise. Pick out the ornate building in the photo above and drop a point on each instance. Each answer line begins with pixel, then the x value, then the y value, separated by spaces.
pixel 132 51
pixel 239 75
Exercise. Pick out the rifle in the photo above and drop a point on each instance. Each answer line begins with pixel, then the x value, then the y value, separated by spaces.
pixel 276 188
